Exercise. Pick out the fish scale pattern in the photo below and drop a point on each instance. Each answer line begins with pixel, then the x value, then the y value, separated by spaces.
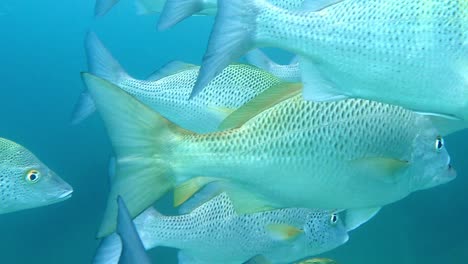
pixel 326 146
pixel 297 128
pixel 414 42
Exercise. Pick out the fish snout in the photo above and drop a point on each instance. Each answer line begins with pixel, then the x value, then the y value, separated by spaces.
pixel 63 190
pixel 452 173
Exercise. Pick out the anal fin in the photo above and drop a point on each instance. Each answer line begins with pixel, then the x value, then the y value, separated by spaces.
pixel 187 189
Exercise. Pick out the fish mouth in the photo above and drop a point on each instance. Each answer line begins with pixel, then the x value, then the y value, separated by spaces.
pixel 65 195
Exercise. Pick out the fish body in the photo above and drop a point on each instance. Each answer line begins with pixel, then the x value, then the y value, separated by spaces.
pixel 215 233
pixel 344 154
pixel 322 149
pixel 25 182
pixel 394 52
pixel 169 94
pixel 175 11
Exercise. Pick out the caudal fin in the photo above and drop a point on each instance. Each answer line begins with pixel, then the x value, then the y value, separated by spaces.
pixel 109 250
pixel 232 36
pixel 103 6
pixel 146 7
pixel 102 64
pixel 133 250
pixel 142 141
pixel 83 108
pixel 177 10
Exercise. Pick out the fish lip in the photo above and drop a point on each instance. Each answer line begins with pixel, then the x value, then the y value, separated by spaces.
pixel 66 195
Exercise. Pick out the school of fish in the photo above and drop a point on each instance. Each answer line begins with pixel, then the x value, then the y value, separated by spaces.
pixel 322 137
pixel 267 163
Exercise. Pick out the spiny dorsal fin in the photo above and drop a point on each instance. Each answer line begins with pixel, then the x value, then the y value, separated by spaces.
pixel 270 97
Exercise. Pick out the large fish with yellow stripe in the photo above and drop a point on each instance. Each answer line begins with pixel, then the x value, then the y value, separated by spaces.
pixel 276 151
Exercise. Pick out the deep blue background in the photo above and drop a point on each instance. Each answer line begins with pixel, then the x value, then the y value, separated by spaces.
pixel 41 57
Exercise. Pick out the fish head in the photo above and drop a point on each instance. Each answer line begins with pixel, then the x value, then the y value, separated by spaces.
pixel 25 182
pixel 325 231
pixel 430 160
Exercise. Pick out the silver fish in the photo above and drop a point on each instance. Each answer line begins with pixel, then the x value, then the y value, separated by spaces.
pixel 408 53
pixel 25 182
pixel 345 154
pixel 167 90
pixel 215 233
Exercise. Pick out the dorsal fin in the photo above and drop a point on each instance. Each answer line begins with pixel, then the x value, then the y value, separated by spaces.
pixel 171 68
pixel 260 103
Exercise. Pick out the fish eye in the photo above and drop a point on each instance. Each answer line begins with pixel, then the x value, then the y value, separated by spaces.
pixel 33 176
pixel 333 219
pixel 439 143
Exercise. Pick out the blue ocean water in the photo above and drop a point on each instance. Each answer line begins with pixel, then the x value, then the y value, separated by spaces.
pixel 41 57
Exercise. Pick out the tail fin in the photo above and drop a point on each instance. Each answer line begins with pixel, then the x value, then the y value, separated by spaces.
pixel 177 10
pixel 133 250
pixel 259 59
pixel 103 6
pixel 142 140
pixel 146 7
pixel 83 108
pixel 232 36
pixel 109 250
pixel 102 64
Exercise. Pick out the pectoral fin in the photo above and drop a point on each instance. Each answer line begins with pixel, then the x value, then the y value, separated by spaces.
pixel 283 231
pixel 384 169
pixel 356 217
